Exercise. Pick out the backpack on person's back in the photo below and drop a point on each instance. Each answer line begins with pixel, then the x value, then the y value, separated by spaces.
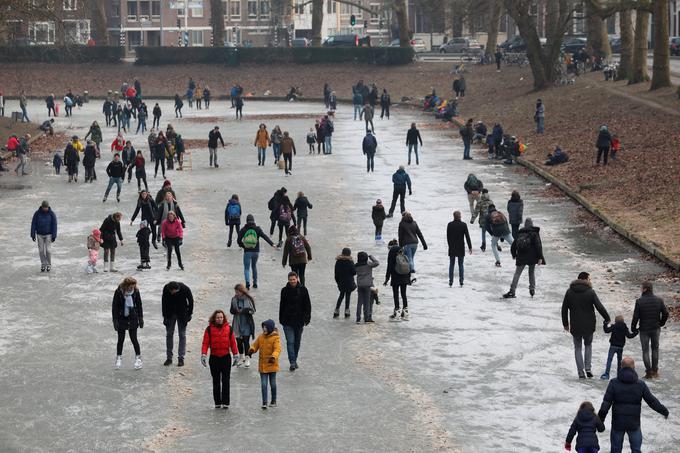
pixel 234 211
pixel 401 264
pixel 298 245
pixel 250 239
pixel 497 218
pixel 285 214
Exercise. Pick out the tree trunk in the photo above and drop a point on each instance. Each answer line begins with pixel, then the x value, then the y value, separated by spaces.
pixel 217 22
pixel 317 22
pixel 639 67
pixel 401 13
pixel 661 72
pixel 98 31
pixel 626 63
pixel 494 25
pixel 598 40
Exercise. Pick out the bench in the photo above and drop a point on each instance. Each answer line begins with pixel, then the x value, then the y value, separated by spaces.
pixel 16 116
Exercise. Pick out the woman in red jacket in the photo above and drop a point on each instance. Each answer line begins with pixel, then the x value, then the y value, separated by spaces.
pixel 118 144
pixel 172 234
pixel 220 339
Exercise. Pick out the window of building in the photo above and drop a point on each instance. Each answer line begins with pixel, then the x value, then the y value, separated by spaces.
pixel 235 9
pixel 375 12
pixel 134 39
pixel 346 10
pixel 252 9
pixel 155 8
pixel 115 9
pixel 331 7
pixel 144 9
pixel 197 38
pixel 225 8
pixel 265 9
pixel 41 32
pixel 196 12
pixel 132 9
pixel 70 5
pixel 299 7
pixel 76 31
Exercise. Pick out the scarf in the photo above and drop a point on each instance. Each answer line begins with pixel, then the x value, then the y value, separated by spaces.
pixel 129 303
pixel 168 207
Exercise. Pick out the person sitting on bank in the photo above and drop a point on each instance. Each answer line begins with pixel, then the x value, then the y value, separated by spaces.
pixel 557 157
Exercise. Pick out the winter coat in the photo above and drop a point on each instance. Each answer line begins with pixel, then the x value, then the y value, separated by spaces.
pixel 117 145
pixel 276 136
pixel 127 156
pixel 409 233
pixel 172 230
pixel 481 209
pixel 110 229
pixel 620 332
pixel 587 425
pixel 220 340
pixel 71 157
pixel 157 111
pixel 498 230
pixel 295 308
pixel 365 272
pixel 344 273
pixel 139 163
pixel 413 137
pixel 213 138
pixel 90 156
pixel 390 273
pixel 301 205
pixel 378 215
pixel 148 208
pixel 115 169
pixel 235 220
pixel 92 243
pixel 242 323
pixel 604 139
pixel 96 133
pixel 179 305
pixel 625 394
pixel 320 132
pixel 461 85
pixel 578 308
pixel 260 235
pixel 370 144
pixel 44 223
pixel 57 161
pixel 163 210
pixel 473 185
pixel 269 346
pixel 288 146
pixel 497 134
pixel 357 99
pixel 401 179
pixel 650 311
pixel 367 113
pixel 289 256
pixel 515 212
pixel 135 317
pixel 531 254
pixel 160 196
pixel 143 237
pixel 385 100
pixel 456 236
pixel 262 138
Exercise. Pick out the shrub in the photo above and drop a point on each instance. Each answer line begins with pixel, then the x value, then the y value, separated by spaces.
pixel 65 54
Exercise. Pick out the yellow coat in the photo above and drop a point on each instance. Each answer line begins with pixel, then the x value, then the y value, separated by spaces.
pixel 269 346
pixel 262 138
pixel 78 146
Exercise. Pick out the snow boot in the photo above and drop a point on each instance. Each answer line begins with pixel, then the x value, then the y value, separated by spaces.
pixel 106 266
pixel 404 314
pixel 395 315
pixel 119 362
pixel 138 362
pixel 112 268
pixel 347 314
pixel 247 362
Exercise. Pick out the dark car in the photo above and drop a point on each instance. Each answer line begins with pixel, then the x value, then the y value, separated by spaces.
pixel 299 42
pixel 615 44
pixel 513 44
pixel 675 45
pixel 574 44
pixel 347 41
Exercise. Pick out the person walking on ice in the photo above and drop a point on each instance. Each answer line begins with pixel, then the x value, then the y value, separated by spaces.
pixel 269 345
pixel 220 340
pixel 128 316
pixel 44 232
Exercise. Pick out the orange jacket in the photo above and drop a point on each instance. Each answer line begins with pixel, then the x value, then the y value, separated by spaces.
pixel 262 138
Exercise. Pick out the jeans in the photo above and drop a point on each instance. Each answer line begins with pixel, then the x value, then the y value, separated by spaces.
pixel 118 182
pixel 494 245
pixel 414 147
pixel 220 369
pixel 410 252
pixel 141 124
pixel 461 268
pixel 585 356
pixel 24 115
pixel 169 334
pixel 385 110
pixel 271 378
pixel 22 164
pixel 370 161
pixel 276 147
pixel 293 338
pixel 398 192
pixel 328 145
pixel 618 350
pixel 213 156
pixel 600 151
pixel 645 338
pixel 261 154
pixel 250 259
pixel 364 303
pixel 634 437
pixel 343 295
pixel 299 269
pixel 288 162
pixel 540 125
pixel 466 148
pixel 357 111
pixel 44 244
pixel 518 272
pixel 133 339
pixel 89 174
pixel 587 450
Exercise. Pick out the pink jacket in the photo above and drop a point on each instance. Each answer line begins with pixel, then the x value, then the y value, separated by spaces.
pixel 172 230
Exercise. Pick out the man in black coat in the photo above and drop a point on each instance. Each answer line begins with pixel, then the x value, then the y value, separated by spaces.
pixel 295 312
pixel 177 306
pixel 625 394
pixel 369 145
pixel 116 172
pixel 578 317
pixel 213 137
pixel 456 234
pixel 412 140
pixel 527 251
pixel 652 314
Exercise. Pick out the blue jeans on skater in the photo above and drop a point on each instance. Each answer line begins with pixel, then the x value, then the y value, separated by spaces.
pixel 634 437
pixel 250 259
pixel 494 245
pixel 277 151
pixel 293 339
pixel 618 350
pixel 414 147
pixel 261 154
pixel 357 111
pixel 118 182
pixel 461 268
pixel 266 378
pixel 483 237
pixel 410 252
pixel 329 145
pixel 24 115
pixel 466 148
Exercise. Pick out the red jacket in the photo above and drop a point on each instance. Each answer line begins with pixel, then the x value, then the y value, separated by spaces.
pixel 172 230
pixel 12 144
pixel 117 145
pixel 220 340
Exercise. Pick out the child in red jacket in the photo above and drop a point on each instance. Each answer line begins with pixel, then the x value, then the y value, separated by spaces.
pixel 219 338
pixel 616 146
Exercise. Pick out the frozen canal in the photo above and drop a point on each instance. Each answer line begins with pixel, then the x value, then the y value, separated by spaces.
pixel 470 372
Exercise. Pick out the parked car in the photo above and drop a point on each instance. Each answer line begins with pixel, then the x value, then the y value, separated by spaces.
pixel 461 45
pixel 675 45
pixel 347 41
pixel 510 44
pixel 573 44
pixel 615 44
pixel 417 44
pixel 299 42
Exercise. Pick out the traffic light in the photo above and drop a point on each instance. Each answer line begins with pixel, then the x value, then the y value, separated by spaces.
pixel 352 20
pixel 179 23
pixel 365 24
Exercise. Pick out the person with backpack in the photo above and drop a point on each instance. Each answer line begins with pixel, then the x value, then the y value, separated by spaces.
pixel 497 225
pixel 456 234
pixel 328 134
pixel 213 137
pixel 232 216
pixel 249 240
pixel 273 206
pixel 587 424
pixel 527 251
pixel 480 210
pixel 177 307
pixel 301 205
pixel 412 139
pixel 242 324
pixel 296 252
pixel 652 314
pixel 261 142
pixel 400 180
pixel 385 103
pixel 398 274
pixel 473 186
pixel 409 234
pixel 364 271
pixel 220 340
pixel 515 212
pixel 369 146
pixel 128 315
pixel 285 217
pixel 344 278
pixel 295 312
pixel 467 132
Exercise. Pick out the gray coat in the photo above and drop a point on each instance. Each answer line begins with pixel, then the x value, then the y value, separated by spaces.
pixel 365 272
pixel 242 310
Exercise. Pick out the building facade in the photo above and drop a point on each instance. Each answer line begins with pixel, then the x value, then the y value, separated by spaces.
pixel 48 22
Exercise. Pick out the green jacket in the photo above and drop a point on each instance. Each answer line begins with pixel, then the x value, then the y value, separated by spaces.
pixel 481 208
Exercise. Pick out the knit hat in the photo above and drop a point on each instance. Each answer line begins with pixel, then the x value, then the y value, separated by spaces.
pixel 143 224
pixel 270 325
pixel 250 218
pixel 528 223
pixel 292 230
pixel 166 183
pixel 45 204
pixel 378 201
pixel 96 234
pixel 346 251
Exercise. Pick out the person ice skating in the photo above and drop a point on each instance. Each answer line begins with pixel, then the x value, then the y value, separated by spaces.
pixel 344 278
pixel 89 161
pixel 412 139
pixel 169 204
pixel 232 216
pixel 457 235
pixel 297 252
pixel 177 306
pixel 178 106
pixel 127 156
pixel 302 205
pixel 328 129
pixel 473 186
pixel 220 340
pixel 94 240
pixel 147 206
pixel 285 217
pixel 619 332
pixel 481 209
pixel 625 394
pixel 369 146
pixel 311 140
pixel 409 234
pixel 357 102
pixel 603 144
pixel 116 172
pixel 578 318
pixel 57 162
pixel 295 312
pixel 143 242
pixel 320 136
pixel 652 314
pixel 400 180
pixel 172 234
pixel 128 315
pixel 378 215
pixel 275 139
pixel 161 194
pixel 22 151
pixel 156 116
pixel 466 133
pixel 364 271
pixel 268 343
pixel 261 142
pixel 140 171
pixel 249 240
pixel 71 160
pixel 242 323
pixel 287 151
pixel 385 103
pixel 44 232
pixel 206 96
pixel 398 274
pixel 515 212
pixel 273 206
pixel 587 424
pixel 496 225
pixel 110 229
pixel 238 103
pixel 527 250
pixel 213 137
pixel 366 114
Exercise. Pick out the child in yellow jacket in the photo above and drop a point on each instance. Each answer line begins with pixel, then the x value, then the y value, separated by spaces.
pixel 269 345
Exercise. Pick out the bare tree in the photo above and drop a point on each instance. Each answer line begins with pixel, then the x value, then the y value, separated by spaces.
pixel 217 22
pixel 639 68
pixel 661 73
pixel 626 61
pixel 496 9
pixel 98 30
pixel 598 41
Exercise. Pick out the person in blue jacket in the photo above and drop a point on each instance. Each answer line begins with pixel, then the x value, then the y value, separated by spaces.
pixel 401 180
pixel 44 231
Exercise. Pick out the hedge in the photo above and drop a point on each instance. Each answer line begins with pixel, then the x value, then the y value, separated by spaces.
pixel 277 55
pixel 65 54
